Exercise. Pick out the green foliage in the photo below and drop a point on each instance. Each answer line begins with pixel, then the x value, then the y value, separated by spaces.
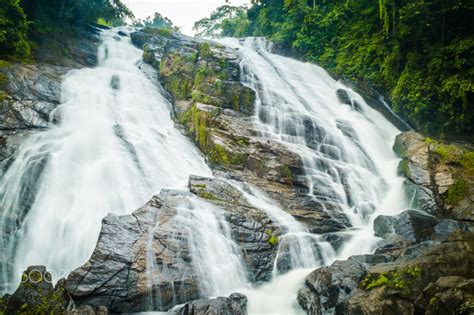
pixel 13 31
pixel 400 279
pixel 157 21
pixel 63 12
pixel 457 191
pixel 420 53
pixel 376 282
pixel 224 21
pixel 273 239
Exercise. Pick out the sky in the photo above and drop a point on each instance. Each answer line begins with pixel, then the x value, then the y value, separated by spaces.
pixel 183 13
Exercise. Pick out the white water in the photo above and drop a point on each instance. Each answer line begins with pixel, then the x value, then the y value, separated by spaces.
pixel 347 154
pixel 214 255
pixel 111 152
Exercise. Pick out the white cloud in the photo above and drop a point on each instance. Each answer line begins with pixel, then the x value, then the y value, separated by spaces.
pixel 183 13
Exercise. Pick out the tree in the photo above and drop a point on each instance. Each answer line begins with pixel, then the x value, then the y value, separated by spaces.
pixel 13 30
pixel 157 21
pixel 224 21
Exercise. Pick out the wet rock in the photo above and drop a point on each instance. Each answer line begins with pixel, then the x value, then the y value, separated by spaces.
pixel 115 82
pixel 88 310
pixel 421 284
pixel 122 33
pixel 116 274
pixel 343 97
pixel 251 227
pixel 413 225
pixel 197 70
pixel 144 256
pixel 327 289
pixel 401 278
pixel 440 175
pixel 235 304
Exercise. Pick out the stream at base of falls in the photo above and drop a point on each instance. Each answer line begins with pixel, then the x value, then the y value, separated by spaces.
pixel 116 145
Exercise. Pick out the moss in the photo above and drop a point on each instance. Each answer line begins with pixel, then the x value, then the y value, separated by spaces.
pixel 4 63
pixel 456 191
pixel 242 141
pixel 219 155
pixel 206 195
pixel 286 174
pixel 433 303
pixel 3 79
pixel 404 168
pixel 203 186
pixel 467 160
pixel 104 22
pixel 403 279
pixel 369 283
pixel 165 32
pixel 273 239
pixel 204 50
pixel 447 152
pixel 238 159
pixel 413 272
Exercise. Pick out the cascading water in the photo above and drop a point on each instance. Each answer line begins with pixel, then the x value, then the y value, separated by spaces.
pixel 215 256
pixel 115 146
pixel 305 250
pixel 346 150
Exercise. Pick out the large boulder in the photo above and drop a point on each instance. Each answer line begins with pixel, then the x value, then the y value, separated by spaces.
pixel 434 282
pixel 235 304
pixel 117 274
pixel 440 176
pixel 398 279
pixel 413 225
pixel 327 289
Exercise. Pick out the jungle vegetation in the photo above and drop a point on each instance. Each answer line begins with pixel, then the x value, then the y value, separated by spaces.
pixel 418 53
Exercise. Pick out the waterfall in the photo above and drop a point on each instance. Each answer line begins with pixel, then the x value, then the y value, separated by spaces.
pixel 306 250
pixel 346 151
pixel 114 147
pixel 214 255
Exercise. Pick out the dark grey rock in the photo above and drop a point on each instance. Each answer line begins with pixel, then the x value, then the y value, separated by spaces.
pixel 413 225
pixel 327 289
pixel 235 304
pixel 343 97
pixel 116 274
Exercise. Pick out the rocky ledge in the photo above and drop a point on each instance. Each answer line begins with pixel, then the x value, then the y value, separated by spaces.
pixel 424 261
pixel 214 108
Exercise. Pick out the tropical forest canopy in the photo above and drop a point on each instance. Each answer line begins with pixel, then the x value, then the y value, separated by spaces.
pixel 22 21
pixel 419 53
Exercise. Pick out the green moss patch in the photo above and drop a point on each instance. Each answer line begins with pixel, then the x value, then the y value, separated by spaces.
pixel 400 279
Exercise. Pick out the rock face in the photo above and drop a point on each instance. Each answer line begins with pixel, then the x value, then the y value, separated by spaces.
pixel 212 105
pixel 440 177
pixel 135 262
pixel 116 274
pixel 403 280
pixel 328 288
pixel 235 304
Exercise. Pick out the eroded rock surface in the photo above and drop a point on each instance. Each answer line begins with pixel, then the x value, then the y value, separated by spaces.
pixel 145 257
